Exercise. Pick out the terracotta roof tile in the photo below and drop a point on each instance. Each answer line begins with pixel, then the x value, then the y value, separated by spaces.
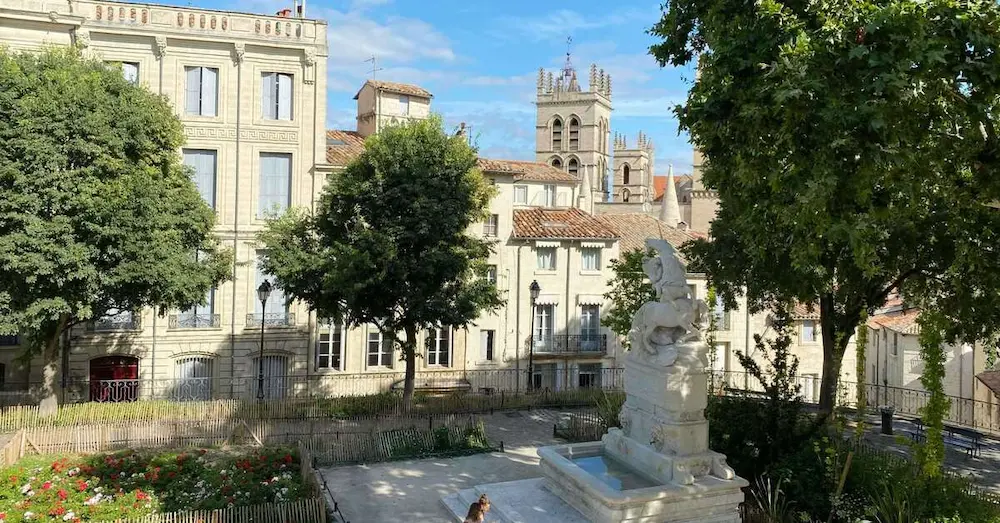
pixel 395 87
pixel 635 228
pixel 805 311
pixel 571 223
pixel 904 322
pixel 991 379
pixel 343 146
pixel 660 184
pixel 524 170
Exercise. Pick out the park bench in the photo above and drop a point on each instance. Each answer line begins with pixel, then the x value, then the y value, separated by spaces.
pixel 967 440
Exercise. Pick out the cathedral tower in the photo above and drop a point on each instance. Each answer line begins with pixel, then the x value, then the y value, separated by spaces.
pixel 633 170
pixel 573 126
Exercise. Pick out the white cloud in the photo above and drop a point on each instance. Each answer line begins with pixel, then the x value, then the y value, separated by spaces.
pixel 353 37
pixel 564 22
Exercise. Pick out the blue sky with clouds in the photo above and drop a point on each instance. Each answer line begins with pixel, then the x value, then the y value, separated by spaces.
pixel 480 58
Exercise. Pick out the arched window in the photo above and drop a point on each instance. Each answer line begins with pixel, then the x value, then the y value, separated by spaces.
pixel 625 195
pixel 557 129
pixel 557 163
pixel 574 134
pixel 573 166
pixel 625 173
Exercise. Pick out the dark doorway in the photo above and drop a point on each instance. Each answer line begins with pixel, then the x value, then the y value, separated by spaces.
pixel 114 378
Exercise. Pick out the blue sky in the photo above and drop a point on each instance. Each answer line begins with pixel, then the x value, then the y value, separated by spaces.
pixel 480 58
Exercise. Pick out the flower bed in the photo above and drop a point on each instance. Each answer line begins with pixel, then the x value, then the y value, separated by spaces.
pixel 133 484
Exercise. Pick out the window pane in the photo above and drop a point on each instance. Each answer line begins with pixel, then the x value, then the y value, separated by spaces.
pixel 547 258
pixel 486 344
pixel 520 194
pixel 267 89
pixel 209 91
pixel 404 105
pixel 192 91
pixel 275 184
pixel 130 70
pixel 284 97
pixel 204 164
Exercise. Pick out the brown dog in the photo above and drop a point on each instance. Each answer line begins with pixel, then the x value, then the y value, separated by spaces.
pixel 478 510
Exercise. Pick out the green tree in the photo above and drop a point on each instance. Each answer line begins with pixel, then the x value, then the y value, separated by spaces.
pixel 390 242
pixel 629 289
pixel 853 148
pixel 96 211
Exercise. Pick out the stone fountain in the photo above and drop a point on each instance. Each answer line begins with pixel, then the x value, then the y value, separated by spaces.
pixel 657 468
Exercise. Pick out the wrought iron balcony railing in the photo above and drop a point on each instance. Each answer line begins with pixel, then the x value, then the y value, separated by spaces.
pixel 193 321
pixel 271 319
pixel 115 323
pixel 9 340
pixel 571 344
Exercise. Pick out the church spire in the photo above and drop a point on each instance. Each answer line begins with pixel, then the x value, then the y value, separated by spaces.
pixel 568 73
pixel 670 211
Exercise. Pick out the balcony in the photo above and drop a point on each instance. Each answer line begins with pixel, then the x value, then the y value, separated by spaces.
pixel 194 321
pixel 9 340
pixel 118 322
pixel 271 319
pixel 571 344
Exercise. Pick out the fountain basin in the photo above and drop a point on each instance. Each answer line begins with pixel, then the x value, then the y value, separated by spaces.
pixel 607 489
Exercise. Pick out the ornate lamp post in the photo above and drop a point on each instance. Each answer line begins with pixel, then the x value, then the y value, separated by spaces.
pixel 263 293
pixel 533 289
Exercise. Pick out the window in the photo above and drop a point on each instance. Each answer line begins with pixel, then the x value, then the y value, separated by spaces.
pixel 546 258
pixel 404 105
pixel 625 174
pixel 276 96
pixel 201 95
pixel 591 258
pixel 721 314
pixel 379 350
pixel 625 195
pixel 692 292
pixel 549 194
pixel 199 316
pixel 808 331
pixel 544 315
pixel 438 347
pixel 330 347
pixel 521 194
pixel 203 163
pixel 275 376
pixel 275 184
pixel 8 340
pixel 491 274
pixel 587 376
pixel 573 166
pixel 574 134
pixel 130 70
pixel 487 339
pixel 557 134
pixel 275 311
pixel 194 379
pixel 590 327
pixel 491 225
pixel 557 163
pixel 544 376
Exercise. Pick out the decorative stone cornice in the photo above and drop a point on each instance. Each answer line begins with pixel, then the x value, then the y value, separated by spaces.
pixel 239 52
pixel 161 46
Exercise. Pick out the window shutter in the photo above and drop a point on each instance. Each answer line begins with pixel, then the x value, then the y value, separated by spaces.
pixel 283 180
pixel 267 96
pixel 192 102
pixel 131 72
pixel 206 177
pixel 209 91
pixel 284 97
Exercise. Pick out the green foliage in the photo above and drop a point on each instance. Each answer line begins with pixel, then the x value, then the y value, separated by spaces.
pixel 771 500
pixel 97 213
pixel 930 453
pixel 390 242
pixel 861 351
pixel 854 151
pixel 629 289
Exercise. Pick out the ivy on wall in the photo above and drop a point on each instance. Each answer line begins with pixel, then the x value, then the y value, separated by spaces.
pixel 930 454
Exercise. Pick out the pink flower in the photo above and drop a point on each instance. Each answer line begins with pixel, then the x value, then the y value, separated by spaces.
pixel 47 485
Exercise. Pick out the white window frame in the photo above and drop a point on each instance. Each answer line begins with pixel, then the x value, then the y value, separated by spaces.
pixel 593 254
pixel 273 87
pixel 207 193
pixel 197 104
pixel 130 71
pixel 520 194
pixel 375 337
pixel 438 344
pixel 545 315
pixel 266 209
pixel 331 348
pixel 549 195
pixel 491 274
pixel 808 326
pixel 491 227
pixel 202 384
pixel 546 253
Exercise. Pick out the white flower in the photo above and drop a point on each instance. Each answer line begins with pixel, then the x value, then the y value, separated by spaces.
pixel 29 514
pixel 73 471
pixel 94 500
pixel 69 515
pixel 26 488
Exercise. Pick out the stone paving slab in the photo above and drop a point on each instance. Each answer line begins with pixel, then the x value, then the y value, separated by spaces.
pixel 522 501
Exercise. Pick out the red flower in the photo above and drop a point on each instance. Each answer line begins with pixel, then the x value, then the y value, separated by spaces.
pixel 81 485
pixel 288 458
pixel 47 485
pixel 62 494
pixel 57 510
pixel 114 476
pixel 13 479
pixel 139 494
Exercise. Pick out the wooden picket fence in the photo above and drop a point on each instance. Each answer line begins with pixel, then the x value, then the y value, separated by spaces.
pixel 311 510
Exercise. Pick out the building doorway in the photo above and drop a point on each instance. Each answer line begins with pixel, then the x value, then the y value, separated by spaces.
pixel 114 379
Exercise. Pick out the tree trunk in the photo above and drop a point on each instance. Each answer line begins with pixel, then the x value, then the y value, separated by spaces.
pixel 49 404
pixel 410 354
pixel 833 353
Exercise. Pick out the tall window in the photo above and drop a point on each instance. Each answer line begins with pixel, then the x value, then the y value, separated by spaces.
pixel 203 163
pixel 625 174
pixel 557 129
pixel 573 166
pixel 591 258
pixel 544 315
pixel 276 96
pixel 404 105
pixel 438 347
pixel 557 163
pixel 330 347
pixel 194 379
pixel 590 322
pixel 486 341
pixel 275 184
pixel 199 316
pixel 574 134
pixel 549 194
pixel 130 70
pixel 808 331
pixel 275 311
pixel 491 274
pixel 202 92
pixel 379 350
pixel 521 194
pixel 275 376
pixel 721 314
pixel 588 375
pixel 491 225
pixel 625 195
pixel 546 258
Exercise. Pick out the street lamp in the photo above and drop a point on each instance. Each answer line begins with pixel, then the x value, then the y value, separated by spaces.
pixel 263 293
pixel 533 290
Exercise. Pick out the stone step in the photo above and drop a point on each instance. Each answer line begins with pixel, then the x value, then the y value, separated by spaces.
pixel 522 501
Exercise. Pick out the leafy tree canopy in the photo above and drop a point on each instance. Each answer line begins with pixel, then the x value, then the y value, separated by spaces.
pixel 390 243
pixel 628 290
pixel 96 211
pixel 853 147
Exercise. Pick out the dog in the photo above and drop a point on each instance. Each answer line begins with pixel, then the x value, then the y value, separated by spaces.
pixel 478 510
